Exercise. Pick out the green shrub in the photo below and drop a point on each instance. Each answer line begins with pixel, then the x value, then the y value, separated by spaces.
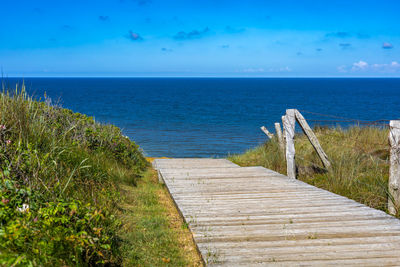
pixel 58 184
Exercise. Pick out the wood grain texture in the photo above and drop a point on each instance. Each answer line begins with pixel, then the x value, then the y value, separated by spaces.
pixel 394 173
pixel 289 126
pixel 267 133
pixel 278 131
pixel 313 139
pixel 252 216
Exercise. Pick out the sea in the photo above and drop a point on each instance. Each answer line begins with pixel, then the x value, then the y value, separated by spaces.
pixel 217 117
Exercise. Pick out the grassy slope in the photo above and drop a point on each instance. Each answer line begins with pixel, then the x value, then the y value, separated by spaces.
pixel 359 157
pixel 154 231
pixel 67 188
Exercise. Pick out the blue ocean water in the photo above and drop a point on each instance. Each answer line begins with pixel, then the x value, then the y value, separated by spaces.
pixel 214 117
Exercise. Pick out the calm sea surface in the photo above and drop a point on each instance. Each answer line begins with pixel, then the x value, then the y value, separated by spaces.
pixel 206 117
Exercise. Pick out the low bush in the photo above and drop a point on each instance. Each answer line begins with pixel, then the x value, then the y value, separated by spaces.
pixel 59 174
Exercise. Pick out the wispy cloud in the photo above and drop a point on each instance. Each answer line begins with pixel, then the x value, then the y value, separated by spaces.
pixel 344 35
pixel 232 30
pixel 138 2
pixel 167 50
pixel 143 2
pixel 194 34
pixel 394 66
pixel 253 70
pixel 133 36
pixel 269 70
pixel 362 36
pixel 104 18
pixel 387 46
pixel 338 34
pixel 67 27
pixel 345 45
pixel 363 66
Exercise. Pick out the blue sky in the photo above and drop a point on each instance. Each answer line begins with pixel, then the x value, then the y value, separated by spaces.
pixel 213 38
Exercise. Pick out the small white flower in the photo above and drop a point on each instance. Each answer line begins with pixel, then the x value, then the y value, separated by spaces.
pixel 24 208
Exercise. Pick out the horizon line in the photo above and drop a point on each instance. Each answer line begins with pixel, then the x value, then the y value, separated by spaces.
pixel 216 77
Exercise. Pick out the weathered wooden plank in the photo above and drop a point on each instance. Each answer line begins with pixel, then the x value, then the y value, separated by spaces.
pixel 292 228
pixel 394 172
pixel 216 171
pixel 310 249
pixel 374 240
pixel 313 139
pixel 264 202
pixel 228 221
pixel 335 262
pixel 274 209
pixel 184 163
pixel 211 237
pixel 282 218
pixel 247 214
pixel 241 189
pixel 323 259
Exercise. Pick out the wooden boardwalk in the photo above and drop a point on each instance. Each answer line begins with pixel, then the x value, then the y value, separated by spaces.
pixel 252 216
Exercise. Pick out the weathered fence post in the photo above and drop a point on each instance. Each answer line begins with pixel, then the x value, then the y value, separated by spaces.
pixel 280 137
pixel 289 124
pixel 283 128
pixel 394 173
pixel 313 139
pixel 265 130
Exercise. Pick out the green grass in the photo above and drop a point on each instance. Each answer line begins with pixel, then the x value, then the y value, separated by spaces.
pixel 359 157
pixel 63 192
pixel 154 233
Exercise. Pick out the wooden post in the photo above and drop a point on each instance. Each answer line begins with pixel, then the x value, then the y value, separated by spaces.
pixel 283 128
pixel 394 173
pixel 313 139
pixel 280 138
pixel 265 130
pixel 289 124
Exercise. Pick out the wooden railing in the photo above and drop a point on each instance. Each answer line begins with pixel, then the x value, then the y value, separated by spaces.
pixel 287 148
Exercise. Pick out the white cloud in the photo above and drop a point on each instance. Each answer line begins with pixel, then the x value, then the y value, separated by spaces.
pixel 252 70
pixel 282 69
pixel 363 66
pixel 262 70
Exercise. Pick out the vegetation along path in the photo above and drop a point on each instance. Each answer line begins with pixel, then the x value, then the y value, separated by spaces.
pixel 253 215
